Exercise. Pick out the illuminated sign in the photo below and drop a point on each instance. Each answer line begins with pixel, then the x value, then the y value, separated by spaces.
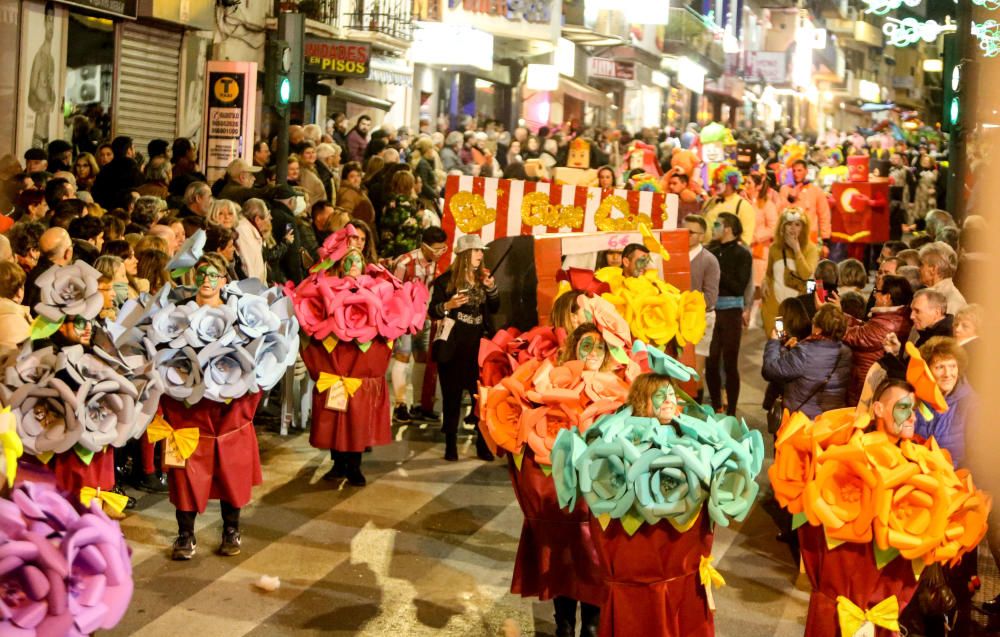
pixel 436 43
pixel 338 58
pixel 538 11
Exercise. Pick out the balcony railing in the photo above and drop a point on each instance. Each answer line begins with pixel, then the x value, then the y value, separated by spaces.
pixel 388 17
pixel 689 31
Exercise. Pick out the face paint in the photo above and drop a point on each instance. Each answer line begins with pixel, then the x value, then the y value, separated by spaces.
pixel 664 404
pixel 121 293
pixel 352 264
pixel 80 323
pixel 902 411
pixel 642 264
pixel 209 273
pixel 591 351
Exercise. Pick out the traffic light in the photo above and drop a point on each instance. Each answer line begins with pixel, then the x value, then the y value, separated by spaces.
pixel 952 80
pixel 291 29
pixel 278 83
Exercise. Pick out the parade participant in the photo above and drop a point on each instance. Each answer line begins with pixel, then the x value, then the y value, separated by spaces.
pixel 226 462
pixel 809 197
pixel 635 260
pixel 728 181
pixel 758 192
pixel 464 297
pixel 417 265
pixel 791 260
pixel 704 279
pixel 735 267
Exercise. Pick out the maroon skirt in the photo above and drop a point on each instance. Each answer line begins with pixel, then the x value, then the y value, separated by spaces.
pixel 848 570
pixel 226 463
pixel 654 588
pixel 366 422
pixel 72 474
pixel 556 555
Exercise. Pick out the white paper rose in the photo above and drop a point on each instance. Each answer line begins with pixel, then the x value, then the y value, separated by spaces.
pixel 210 324
pixel 46 416
pixel 181 374
pixel 169 323
pixel 69 290
pixel 228 371
pixel 254 317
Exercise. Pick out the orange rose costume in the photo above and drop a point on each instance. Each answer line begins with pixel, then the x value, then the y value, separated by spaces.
pixel 871 514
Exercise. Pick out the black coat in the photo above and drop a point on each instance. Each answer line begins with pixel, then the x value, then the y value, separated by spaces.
pixel 119 177
pixel 282 220
pixel 472 323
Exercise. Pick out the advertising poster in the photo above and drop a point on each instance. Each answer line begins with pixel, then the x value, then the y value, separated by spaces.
pixel 230 92
pixel 43 73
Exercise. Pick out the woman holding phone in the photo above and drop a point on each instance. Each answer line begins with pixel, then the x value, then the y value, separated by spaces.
pixel 791 260
pixel 462 301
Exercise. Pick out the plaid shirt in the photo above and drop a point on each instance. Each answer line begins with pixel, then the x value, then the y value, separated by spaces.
pixel 412 266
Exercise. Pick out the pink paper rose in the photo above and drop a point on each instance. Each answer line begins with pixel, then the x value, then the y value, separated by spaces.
pixel 354 315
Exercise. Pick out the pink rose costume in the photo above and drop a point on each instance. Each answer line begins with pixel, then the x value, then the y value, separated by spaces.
pixel 352 321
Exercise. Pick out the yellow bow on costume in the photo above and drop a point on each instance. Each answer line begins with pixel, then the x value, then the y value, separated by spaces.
pixel 852 618
pixel 185 440
pixel 115 501
pixel 12 450
pixel 652 243
pixel 326 381
pixel 710 577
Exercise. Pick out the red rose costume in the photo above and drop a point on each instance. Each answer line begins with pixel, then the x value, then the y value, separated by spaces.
pixel 72 474
pixel 366 422
pixel 849 570
pixel 653 579
pixel 555 555
pixel 226 463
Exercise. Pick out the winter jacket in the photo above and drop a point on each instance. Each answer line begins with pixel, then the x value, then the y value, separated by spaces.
pixel 949 428
pixel 804 368
pixel 119 177
pixel 356 144
pixel 865 340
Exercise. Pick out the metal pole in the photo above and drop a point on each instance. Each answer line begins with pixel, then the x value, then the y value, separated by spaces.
pixel 957 165
pixel 282 113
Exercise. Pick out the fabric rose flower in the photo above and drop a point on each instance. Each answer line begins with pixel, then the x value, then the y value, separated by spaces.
pixel 69 290
pixel 566 451
pixel 502 418
pixel 181 374
pixel 254 317
pixel 211 324
pixel 272 354
pixel 603 477
pixel 353 315
pixel 691 326
pixel 542 425
pixel 169 324
pixel 105 404
pixel 100 572
pixel 46 416
pixel 671 483
pixel 841 496
pixel 419 297
pixel 228 371
pixel 792 468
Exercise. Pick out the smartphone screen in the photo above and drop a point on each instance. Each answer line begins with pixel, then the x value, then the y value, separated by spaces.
pixel 810 286
pixel 779 326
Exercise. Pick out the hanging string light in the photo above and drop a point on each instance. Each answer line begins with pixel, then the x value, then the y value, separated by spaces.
pixel 988 34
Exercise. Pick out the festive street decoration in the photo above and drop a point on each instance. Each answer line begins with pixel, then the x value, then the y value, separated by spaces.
pixel 497 208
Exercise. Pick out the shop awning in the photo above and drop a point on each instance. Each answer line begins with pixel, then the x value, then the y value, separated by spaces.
pixel 583 92
pixel 390 71
pixel 357 97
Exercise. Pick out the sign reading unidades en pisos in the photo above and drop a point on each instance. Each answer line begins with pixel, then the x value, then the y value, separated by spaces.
pixel 519 19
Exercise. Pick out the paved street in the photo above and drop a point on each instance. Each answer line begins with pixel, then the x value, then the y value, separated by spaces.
pixel 426 549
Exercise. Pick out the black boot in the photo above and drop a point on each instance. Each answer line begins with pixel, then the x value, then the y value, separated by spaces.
pixel 353 470
pixel 185 544
pixel 590 619
pixel 339 466
pixel 565 616
pixel 451 447
pixel 482 449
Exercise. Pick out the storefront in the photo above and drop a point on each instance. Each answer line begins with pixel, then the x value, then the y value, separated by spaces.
pixel 121 76
pixel 10 20
pixel 454 53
